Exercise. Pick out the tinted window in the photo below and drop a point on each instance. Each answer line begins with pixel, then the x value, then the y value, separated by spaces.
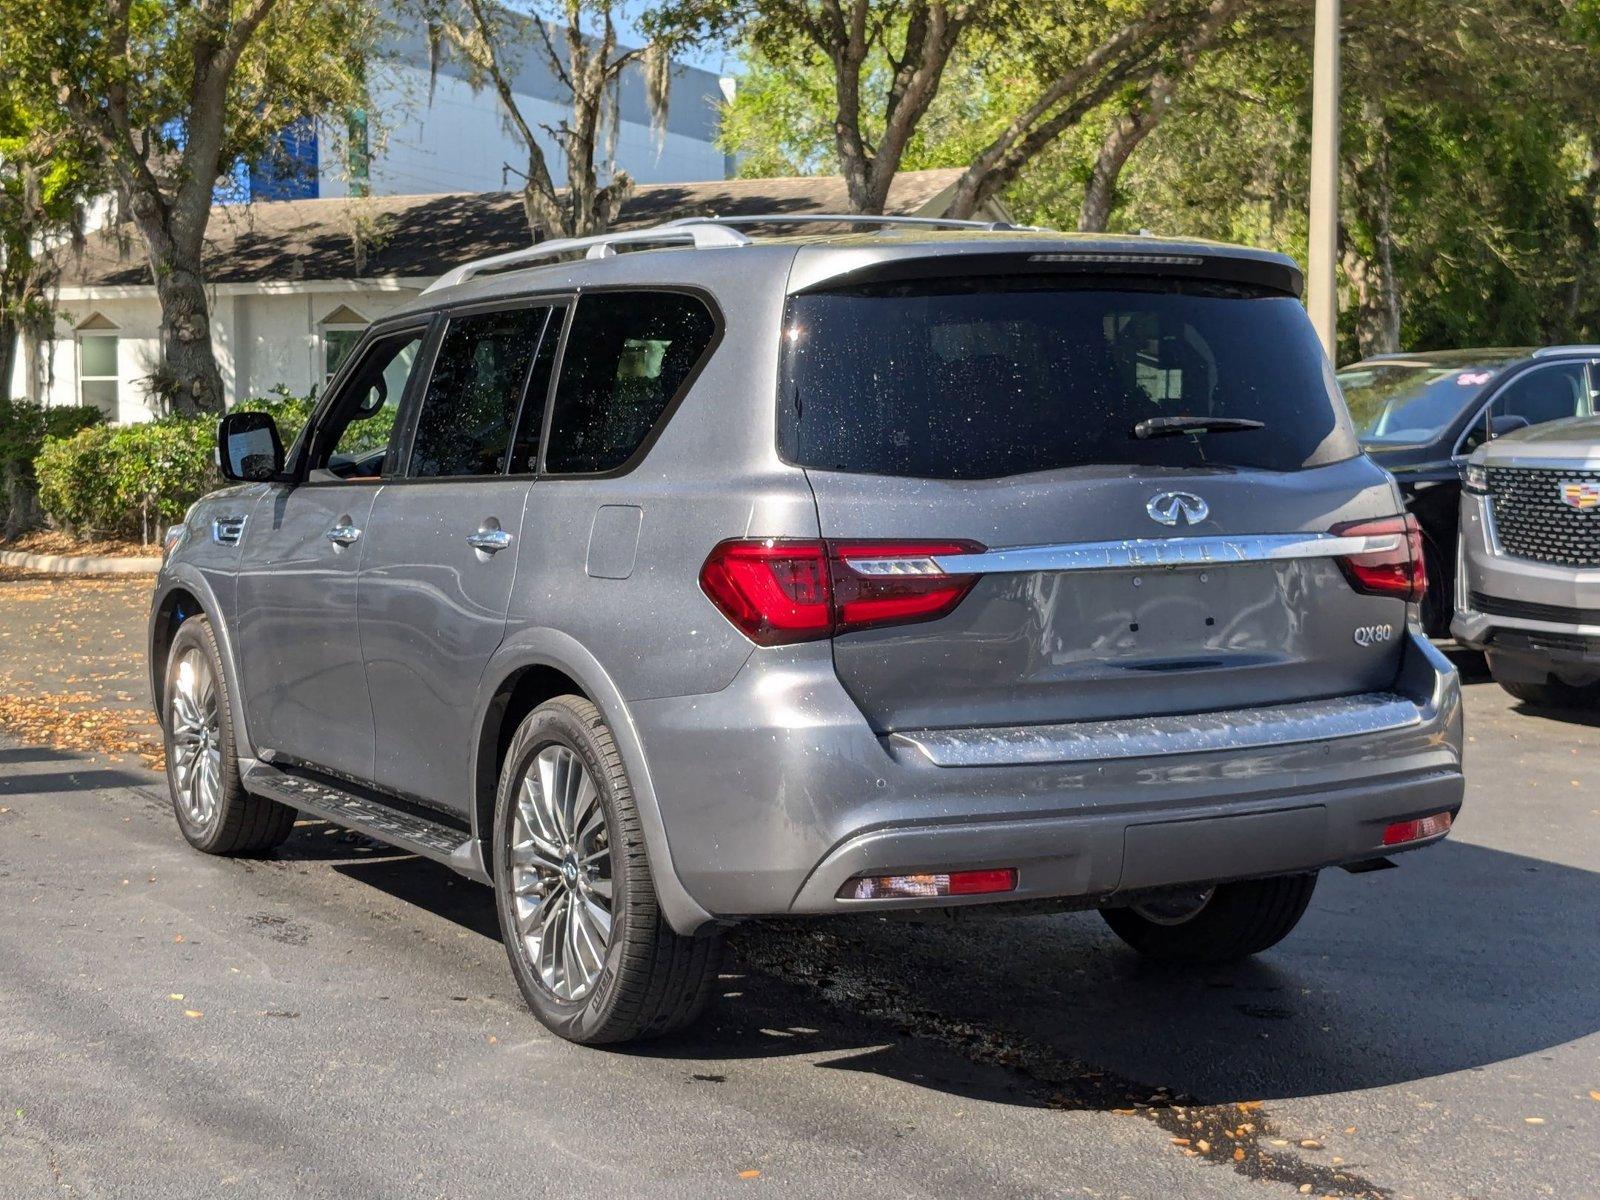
pixel 1410 403
pixel 979 379
pixel 1546 394
pixel 627 357
pixel 464 427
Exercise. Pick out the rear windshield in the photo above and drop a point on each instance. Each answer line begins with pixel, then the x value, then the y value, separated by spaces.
pixel 975 379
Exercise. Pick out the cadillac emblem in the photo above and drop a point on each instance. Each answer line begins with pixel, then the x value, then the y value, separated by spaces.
pixel 1580 494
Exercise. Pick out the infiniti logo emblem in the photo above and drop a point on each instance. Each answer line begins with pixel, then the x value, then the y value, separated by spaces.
pixel 1177 508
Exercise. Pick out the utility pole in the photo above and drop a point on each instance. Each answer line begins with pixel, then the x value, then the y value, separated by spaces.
pixel 1322 291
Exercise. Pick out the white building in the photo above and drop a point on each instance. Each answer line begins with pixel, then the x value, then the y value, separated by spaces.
pixel 288 295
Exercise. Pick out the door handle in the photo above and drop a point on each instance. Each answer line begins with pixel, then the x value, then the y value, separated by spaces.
pixel 343 535
pixel 490 541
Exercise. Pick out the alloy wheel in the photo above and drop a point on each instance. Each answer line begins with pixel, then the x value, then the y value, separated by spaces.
pixel 561 880
pixel 196 722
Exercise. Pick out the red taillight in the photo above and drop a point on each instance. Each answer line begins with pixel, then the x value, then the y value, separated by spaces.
pixel 1401 832
pixel 1394 567
pixel 775 590
pixel 930 886
pixel 779 590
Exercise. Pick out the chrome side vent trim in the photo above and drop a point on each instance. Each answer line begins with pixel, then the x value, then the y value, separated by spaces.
pixel 227 531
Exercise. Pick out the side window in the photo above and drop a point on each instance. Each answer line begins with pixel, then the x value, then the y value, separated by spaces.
pixel 352 439
pixel 628 356
pixel 1546 394
pixel 465 425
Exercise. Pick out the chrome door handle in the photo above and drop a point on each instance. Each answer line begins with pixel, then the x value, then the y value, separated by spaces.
pixel 343 535
pixel 490 541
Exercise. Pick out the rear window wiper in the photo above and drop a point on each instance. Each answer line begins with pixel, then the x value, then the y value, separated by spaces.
pixel 1154 427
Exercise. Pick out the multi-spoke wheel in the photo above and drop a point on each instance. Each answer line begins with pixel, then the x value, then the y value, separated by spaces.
pixel 196 730
pixel 561 872
pixel 591 951
pixel 214 811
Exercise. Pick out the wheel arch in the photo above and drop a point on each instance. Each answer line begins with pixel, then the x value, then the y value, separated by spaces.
pixel 532 668
pixel 181 593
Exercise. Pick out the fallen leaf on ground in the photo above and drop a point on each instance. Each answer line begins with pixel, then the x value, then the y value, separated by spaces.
pixel 193 1012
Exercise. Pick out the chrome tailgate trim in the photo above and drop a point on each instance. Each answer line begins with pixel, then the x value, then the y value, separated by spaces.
pixel 1165 552
pixel 1155 737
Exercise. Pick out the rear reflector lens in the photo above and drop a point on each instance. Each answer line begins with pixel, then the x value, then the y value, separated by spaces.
pixel 929 887
pixel 1402 832
pixel 1394 567
pixel 780 590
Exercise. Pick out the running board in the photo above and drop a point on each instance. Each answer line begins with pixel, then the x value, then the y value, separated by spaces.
pixel 407 831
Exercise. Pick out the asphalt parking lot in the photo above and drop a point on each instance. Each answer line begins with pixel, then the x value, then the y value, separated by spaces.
pixel 339 1020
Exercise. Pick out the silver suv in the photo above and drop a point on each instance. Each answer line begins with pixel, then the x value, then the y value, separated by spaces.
pixel 836 572
pixel 1528 587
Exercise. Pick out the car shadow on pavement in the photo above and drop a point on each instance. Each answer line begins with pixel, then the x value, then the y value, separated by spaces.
pixel 1465 957
pixel 38 782
pixel 13 755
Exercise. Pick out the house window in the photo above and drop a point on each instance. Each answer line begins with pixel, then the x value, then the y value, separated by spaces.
pixel 97 365
pixel 341 330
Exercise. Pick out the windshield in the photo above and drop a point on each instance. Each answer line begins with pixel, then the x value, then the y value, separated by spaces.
pixel 1409 403
pixel 977 379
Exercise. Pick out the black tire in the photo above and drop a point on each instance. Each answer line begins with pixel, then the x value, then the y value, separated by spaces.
pixel 653 981
pixel 240 823
pixel 1236 921
pixel 1551 695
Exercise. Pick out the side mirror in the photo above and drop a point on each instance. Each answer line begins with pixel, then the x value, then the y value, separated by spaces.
pixel 249 449
pixel 1506 423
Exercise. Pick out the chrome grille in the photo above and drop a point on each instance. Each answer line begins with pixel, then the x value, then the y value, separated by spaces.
pixel 1531 521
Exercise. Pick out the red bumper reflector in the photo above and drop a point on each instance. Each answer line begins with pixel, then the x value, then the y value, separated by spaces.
pixel 1402 832
pixel 929 887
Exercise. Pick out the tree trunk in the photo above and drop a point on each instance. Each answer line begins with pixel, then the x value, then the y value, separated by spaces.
pixel 188 380
pixel 1125 134
pixel 10 336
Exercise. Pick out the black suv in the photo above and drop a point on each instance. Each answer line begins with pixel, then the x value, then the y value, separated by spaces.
pixel 1421 415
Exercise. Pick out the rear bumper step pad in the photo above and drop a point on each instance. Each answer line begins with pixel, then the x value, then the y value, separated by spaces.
pixel 1155 737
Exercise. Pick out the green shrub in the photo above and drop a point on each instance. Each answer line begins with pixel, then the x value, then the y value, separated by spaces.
pixel 24 428
pixel 129 480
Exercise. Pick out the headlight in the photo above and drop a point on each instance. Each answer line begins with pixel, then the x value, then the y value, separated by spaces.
pixel 1475 479
pixel 173 537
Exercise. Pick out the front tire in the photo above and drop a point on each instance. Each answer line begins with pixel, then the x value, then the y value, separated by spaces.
pixel 594 957
pixel 215 814
pixel 1231 922
pixel 1550 695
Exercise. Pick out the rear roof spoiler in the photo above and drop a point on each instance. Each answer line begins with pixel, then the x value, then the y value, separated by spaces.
pixel 1200 262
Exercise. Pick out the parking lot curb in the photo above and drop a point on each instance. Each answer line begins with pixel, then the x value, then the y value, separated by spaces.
pixel 87 564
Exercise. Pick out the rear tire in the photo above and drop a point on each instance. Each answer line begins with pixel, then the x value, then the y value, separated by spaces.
pixel 215 814
pixel 594 957
pixel 1235 921
pixel 1551 695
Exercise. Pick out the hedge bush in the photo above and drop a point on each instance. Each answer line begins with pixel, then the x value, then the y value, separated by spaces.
pixel 127 480
pixel 24 429
pixel 133 480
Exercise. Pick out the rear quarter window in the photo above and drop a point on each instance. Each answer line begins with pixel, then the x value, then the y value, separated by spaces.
pixel 974 379
pixel 628 357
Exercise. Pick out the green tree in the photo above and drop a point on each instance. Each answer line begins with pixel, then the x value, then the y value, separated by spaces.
pixel 488 38
pixel 44 183
pixel 1048 68
pixel 171 93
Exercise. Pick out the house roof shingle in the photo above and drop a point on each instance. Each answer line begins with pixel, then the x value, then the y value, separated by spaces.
pixel 424 236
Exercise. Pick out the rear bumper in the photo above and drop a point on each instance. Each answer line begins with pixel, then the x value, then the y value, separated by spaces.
pixel 775 792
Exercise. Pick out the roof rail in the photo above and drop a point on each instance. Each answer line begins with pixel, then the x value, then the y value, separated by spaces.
pixel 848 219
pixel 701 235
pixel 1551 351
